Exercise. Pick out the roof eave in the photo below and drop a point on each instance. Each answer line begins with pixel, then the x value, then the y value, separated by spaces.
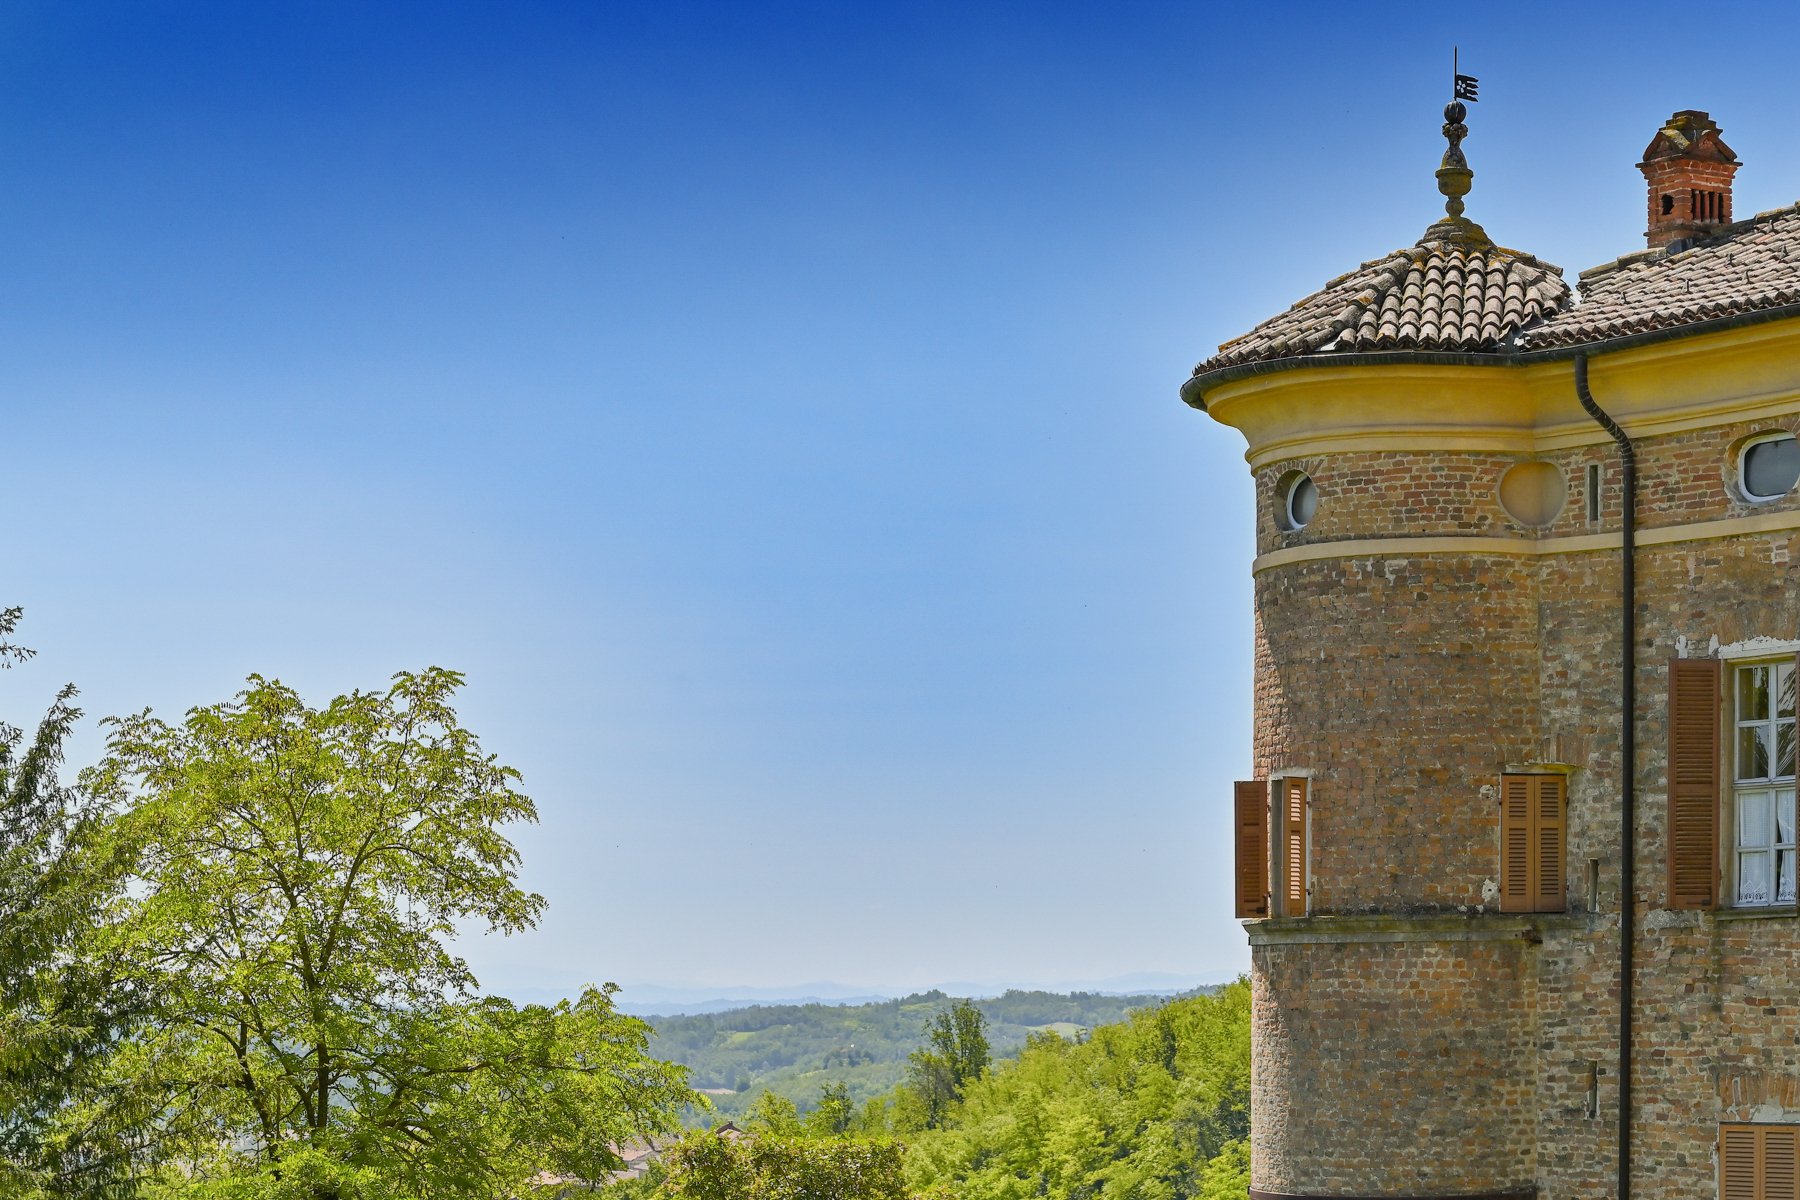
pixel 1193 391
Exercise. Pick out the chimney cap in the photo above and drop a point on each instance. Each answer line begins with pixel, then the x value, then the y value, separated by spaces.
pixel 1689 133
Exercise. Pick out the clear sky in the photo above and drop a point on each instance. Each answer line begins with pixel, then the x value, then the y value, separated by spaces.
pixel 772 408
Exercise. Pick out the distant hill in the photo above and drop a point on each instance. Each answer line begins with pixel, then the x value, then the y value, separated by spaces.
pixel 795 1049
pixel 652 1000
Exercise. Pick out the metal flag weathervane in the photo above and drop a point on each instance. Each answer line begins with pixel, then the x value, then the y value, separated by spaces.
pixel 1462 87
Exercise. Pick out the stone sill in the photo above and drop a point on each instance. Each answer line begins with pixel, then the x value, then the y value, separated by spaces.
pixel 1772 912
pixel 1420 927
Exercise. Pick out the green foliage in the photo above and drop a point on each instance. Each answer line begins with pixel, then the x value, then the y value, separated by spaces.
pixel 835 1113
pixel 704 1166
pixel 1155 1108
pixel 298 875
pixel 957 1055
pixel 796 1049
pixel 61 1004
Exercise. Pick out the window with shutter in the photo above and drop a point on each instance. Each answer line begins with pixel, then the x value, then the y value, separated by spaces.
pixel 1693 819
pixel 1532 857
pixel 1292 798
pixel 1761 701
pixel 1759 1162
pixel 1251 804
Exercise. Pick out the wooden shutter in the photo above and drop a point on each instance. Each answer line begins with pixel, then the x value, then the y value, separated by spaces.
pixel 1293 847
pixel 1694 720
pixel 1759 1162
pixel 1548 804
pixel 1531 843
pixel 1516 891
pixel 1251 800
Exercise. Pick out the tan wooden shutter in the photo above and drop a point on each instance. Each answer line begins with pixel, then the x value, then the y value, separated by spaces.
pixel 1549 797
pixel 1738 1163
pixel 1251 800
pixel 1759 1162
pixel 1293 848
pixel 1516 891
pixel 1694 686
pixel 1781 1162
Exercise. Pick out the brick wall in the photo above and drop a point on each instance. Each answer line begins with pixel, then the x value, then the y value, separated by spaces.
pixel 1413 1062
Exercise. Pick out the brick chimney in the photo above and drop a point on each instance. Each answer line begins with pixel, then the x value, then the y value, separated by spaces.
pixel 1689 168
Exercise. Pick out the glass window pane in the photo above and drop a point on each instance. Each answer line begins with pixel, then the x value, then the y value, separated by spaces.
pixel 1753 693
pixel 1784 817
pixel 1303 502
pixel 1753 819
pixel 1784 749
pixel 1784 688
pixel 1753 752
pixel 1784 876
pixel 1753 878
pixel 1771 468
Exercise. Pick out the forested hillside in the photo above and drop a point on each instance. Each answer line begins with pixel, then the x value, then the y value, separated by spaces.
pixel 1154 1108
pixel 795 1050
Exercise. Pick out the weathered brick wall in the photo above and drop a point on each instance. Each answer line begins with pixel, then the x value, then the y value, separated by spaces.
pixel 1392 1068
pixel 1408 683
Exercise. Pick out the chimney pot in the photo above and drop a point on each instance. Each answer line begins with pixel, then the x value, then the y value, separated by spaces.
pixel 1689 169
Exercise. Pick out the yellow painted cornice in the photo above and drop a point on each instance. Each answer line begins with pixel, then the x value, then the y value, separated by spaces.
pixel 1746 373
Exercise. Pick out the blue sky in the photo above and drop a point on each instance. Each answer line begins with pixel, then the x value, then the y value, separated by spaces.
pixel 771 408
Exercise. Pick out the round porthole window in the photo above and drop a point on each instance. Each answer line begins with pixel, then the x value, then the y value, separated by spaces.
pixel 1770 466
pixel 1299 500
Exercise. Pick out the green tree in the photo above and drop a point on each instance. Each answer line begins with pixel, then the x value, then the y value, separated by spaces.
pixel 298 876
pixel 773 1115
pixel 705 1166
pixel 956 1054
pixel 835 1113
pixel 61 1007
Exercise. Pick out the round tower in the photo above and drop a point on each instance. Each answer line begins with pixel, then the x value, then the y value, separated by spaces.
pixel 1522 798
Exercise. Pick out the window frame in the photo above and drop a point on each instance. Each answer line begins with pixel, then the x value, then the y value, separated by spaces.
pixel 1743 465
pixel 1736 789
pixel 1279 864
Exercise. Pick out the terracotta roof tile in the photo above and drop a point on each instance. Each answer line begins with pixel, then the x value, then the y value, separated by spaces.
pixel 1441 294
pixel 1747 267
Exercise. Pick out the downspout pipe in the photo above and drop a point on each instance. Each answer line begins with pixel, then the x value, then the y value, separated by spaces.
pixel 1628 756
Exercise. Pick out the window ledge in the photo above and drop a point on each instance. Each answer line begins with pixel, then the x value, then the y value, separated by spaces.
pixel 1409 927
pixel 1759 913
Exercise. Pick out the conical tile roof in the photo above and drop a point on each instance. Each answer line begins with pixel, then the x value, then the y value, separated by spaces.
pixel 1452 291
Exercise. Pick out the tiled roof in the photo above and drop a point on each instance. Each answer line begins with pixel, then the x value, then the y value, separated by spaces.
pixel 1445 293
pixel 1749 266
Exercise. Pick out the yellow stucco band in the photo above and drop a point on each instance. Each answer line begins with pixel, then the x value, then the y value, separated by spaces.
pixel 1771 522
pixel 1747 373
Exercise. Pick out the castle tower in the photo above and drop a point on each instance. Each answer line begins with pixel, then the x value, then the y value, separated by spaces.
pixel 1442 887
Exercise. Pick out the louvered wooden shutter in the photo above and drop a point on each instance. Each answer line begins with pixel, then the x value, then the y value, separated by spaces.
pixel 1251 800
pixel 1759 1162
pixel 1694 685
pixel 1516 892
pixel 1293 847
pixel 1548 803
pixel 1531 843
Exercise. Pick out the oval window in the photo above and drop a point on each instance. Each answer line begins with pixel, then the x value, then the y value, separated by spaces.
pixel 1533 493
pixel 1299 501
pixel 1770 467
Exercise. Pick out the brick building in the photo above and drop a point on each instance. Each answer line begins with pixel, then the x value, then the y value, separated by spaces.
pixel 1521 829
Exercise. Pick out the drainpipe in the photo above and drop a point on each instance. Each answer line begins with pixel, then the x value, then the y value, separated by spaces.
pixel 1628 769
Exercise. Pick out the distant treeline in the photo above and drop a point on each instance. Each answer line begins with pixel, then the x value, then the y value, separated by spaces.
pixel 794 1050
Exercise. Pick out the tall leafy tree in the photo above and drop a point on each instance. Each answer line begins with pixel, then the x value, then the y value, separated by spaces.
pixel 298 876
pixel 956 1054
pixel 61 1006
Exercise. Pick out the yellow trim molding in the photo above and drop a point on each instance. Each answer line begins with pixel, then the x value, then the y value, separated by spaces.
pixel 1783 521
pixel 1743 374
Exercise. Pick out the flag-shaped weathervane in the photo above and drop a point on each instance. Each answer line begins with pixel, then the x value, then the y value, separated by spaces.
pixel 1462 87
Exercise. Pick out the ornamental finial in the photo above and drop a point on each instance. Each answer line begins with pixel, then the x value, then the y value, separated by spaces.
pixel 1453 175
